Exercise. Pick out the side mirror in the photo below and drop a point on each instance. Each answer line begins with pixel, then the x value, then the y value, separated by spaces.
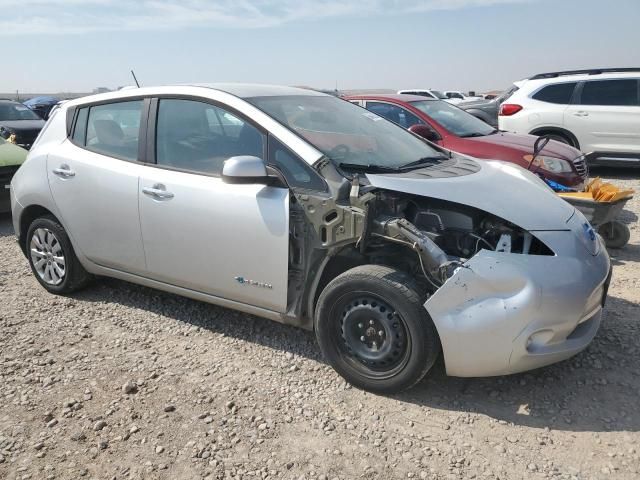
pixel 425 132
pixel 244 169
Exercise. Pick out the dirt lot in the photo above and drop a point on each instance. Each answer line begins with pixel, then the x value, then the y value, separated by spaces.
pixel 121 381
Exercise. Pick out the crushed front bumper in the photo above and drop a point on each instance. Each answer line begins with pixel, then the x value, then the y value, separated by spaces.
pixel 507 313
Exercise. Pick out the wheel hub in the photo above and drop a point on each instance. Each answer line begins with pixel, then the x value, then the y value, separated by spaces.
pixel 372 333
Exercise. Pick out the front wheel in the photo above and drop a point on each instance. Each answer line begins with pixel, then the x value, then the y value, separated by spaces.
pixel 373 329
pixel 52 258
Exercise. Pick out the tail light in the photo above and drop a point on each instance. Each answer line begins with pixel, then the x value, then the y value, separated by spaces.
pixel 508 109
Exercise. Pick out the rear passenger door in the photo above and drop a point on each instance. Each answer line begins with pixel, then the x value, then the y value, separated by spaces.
pixel 93 177
pixel 606 116
pixel 199 232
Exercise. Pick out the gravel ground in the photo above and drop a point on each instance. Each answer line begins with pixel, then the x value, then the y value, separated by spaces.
pixel 121 381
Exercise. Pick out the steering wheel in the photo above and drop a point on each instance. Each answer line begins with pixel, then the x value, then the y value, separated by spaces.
pixel 339 152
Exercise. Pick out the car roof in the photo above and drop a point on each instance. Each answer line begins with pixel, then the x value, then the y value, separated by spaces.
pixel 399 97
pixel 544 80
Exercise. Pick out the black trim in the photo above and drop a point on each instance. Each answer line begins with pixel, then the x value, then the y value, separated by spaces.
pixel 143 130
pixel 152 123
pixel 71 120
pixel 608 159
pixel 592 71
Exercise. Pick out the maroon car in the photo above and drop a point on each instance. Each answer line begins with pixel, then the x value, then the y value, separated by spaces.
pixel 454 129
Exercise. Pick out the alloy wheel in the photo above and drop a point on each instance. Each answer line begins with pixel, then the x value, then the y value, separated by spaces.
pixel 47 256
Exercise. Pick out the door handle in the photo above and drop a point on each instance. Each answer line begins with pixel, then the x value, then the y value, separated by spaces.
pixel 158 191
pixel 581 114
pixel 64 171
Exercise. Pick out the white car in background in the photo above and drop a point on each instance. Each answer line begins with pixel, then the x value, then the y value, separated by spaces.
pixel 456 96
pixel 596 111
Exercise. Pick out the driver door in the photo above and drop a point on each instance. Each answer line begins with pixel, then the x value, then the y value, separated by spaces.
pixel 226 240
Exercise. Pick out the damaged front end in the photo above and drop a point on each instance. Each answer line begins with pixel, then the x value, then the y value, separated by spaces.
pixel 503 298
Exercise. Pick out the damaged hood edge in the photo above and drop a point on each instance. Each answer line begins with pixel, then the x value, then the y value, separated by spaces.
pixel 505 190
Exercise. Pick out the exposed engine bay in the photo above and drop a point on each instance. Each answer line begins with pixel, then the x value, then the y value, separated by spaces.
pixel 428 238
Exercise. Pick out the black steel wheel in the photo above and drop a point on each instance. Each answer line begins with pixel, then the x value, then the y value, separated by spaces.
pixel 372 327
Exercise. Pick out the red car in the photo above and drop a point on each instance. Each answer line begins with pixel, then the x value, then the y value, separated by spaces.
pixel 454 129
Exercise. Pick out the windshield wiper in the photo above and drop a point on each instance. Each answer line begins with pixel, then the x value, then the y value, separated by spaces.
pixel 475 134
pixel 422 161
pixel 370 167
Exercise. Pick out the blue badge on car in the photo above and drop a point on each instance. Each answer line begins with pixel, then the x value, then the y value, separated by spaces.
pixel 589 232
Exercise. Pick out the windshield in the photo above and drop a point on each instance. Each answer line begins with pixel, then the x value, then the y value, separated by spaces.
pixel 16 111
pixel 346 133
pixel 454 119
pixel 439 94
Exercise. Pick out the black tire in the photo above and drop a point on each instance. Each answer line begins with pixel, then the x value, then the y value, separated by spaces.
pixel 559 138
pixel 74 275
pixel 615 234
pixel 384 306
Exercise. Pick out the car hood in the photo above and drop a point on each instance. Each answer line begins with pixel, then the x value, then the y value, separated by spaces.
pixel 18 125
pixel 505 190
pixel 11 154
pixel 525 143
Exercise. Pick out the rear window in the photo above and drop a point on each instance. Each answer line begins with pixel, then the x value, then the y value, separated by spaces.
pixel 610 93
pixel 558 93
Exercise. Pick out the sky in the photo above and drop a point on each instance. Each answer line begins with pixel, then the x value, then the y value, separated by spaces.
pixel 77 45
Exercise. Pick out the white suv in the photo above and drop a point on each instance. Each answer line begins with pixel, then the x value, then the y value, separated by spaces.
pixel 597 111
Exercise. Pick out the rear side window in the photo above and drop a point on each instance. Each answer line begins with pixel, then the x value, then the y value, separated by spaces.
pixel 80 131
pixel 111 129
pixel 610 93
pixel 559 93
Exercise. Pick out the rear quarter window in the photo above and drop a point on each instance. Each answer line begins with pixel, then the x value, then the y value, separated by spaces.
pixel 559 93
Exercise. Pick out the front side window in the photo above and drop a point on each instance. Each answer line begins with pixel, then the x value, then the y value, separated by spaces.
pixel 345 133
pixel 394 113
pixel 295 170
pixel 112 129
pixel 199 137
pixel 560 93
pixel 454 119
pixel 610 93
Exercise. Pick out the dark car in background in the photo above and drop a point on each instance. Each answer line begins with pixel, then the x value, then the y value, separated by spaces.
pixel 42 105
pixel 487 109
pixel 447 125
pixel 19 124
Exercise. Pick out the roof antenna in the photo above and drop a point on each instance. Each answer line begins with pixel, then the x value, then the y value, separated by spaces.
pixel 135 79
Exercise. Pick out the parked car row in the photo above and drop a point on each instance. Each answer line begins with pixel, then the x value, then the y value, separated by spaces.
pixel 457 130
pixel 313 211
pixel 596 111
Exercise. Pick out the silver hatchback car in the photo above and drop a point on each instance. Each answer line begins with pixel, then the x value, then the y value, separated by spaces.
pixel 309 210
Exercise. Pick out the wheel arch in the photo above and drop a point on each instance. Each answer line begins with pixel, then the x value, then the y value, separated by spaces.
pixel 28 215
pixel 558 131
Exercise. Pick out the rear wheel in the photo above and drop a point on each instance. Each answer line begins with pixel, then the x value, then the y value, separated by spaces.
pixel 51 257
pixel 373 329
